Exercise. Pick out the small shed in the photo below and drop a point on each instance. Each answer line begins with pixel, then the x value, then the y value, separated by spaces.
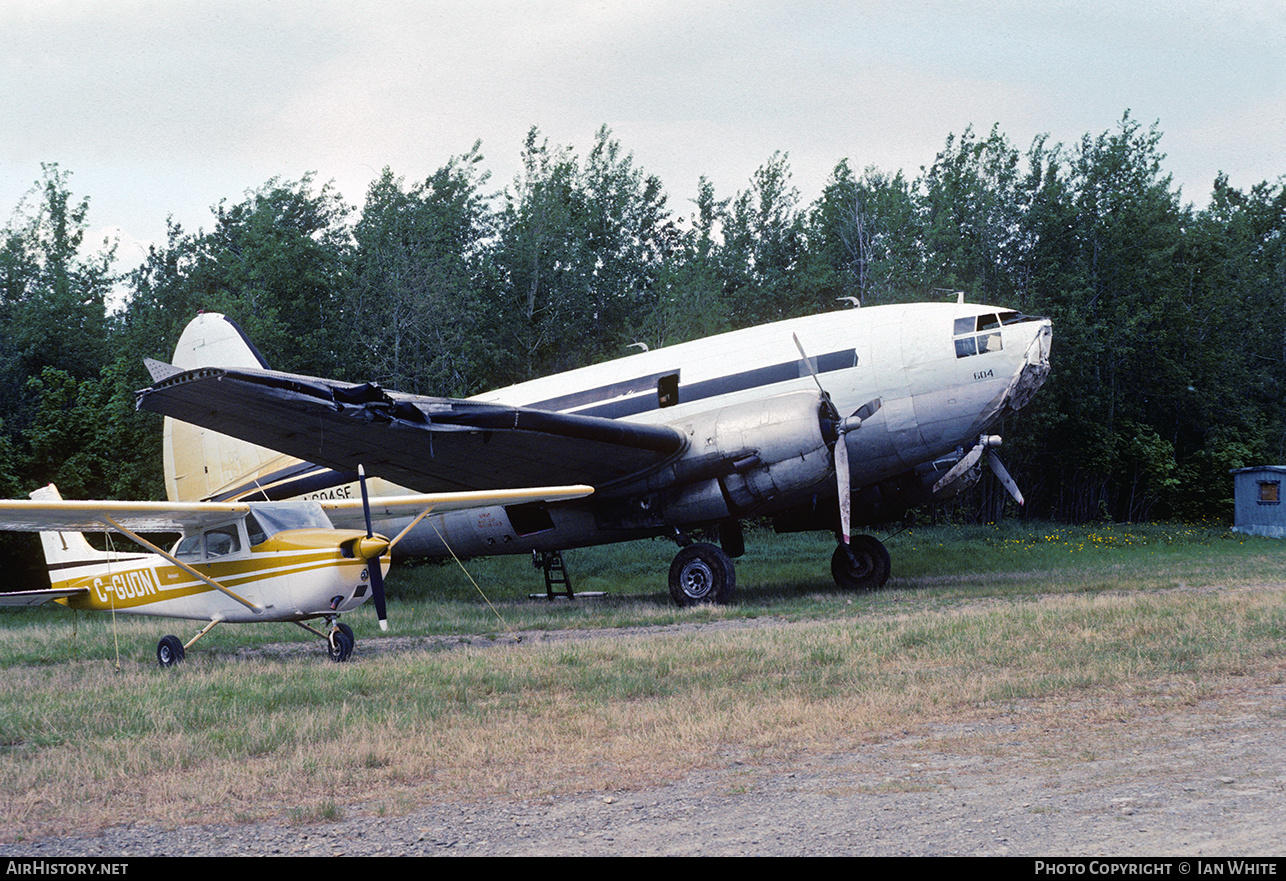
pixel 1257 492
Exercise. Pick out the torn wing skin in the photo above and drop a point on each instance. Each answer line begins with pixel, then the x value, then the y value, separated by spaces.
pixel 427 445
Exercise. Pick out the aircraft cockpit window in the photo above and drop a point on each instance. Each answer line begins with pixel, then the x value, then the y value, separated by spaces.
pixel 189 547
pixel 978 335
pixel 255 533
pixel 278 517
pixel 222 542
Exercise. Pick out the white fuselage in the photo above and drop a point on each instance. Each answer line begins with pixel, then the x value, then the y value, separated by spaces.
pixel 939 373
pixel 288 584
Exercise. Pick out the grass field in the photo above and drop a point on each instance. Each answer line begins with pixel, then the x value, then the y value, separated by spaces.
pixel 975 619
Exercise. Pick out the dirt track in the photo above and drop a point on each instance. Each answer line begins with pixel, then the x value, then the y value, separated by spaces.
pixel 1192 780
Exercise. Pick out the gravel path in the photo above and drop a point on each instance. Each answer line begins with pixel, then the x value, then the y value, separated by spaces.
pixel 1192 780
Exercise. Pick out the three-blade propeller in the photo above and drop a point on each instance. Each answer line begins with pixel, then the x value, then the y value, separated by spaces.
pixel 843 426
pixel 985 446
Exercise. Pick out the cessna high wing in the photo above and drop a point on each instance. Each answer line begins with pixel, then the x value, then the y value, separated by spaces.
pixel 825 422
pixel 235 562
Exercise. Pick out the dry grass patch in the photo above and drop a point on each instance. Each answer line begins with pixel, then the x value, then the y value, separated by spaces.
pixel 231 740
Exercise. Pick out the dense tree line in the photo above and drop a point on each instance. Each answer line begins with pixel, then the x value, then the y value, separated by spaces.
pixel 1170 338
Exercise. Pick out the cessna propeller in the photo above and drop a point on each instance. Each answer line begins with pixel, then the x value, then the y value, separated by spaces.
pixel 371 549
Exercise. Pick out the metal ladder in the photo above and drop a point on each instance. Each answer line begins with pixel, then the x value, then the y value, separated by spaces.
pixel 551 563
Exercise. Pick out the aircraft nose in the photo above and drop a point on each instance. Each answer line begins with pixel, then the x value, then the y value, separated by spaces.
pixel 1035 368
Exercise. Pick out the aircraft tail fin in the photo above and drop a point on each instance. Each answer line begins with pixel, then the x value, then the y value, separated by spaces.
pixel 199 463
pixel 64 547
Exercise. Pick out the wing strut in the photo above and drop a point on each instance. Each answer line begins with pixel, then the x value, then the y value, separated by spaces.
pixel 134 536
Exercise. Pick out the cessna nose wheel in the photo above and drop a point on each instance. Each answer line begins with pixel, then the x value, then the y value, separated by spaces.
pixel 862 564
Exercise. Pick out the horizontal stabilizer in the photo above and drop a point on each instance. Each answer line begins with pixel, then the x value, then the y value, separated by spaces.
pixel 38 597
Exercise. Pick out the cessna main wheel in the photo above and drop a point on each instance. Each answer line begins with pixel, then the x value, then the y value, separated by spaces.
pixel 862 564
pixel 702 573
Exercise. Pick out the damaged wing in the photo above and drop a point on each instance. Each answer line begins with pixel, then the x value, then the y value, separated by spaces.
pixel 426 444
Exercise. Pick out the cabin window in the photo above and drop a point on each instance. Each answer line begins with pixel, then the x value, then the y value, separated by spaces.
pixel 1270 493
pixel 667 390
pixel 189 547
pixel 222 542
pixel 256 533
pixel 978 335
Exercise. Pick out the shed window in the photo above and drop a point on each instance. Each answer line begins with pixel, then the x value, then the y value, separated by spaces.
pixel 1270 493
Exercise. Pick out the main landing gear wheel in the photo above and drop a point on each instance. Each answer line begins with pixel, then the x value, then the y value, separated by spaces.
pixel 340 643
pixel 861 565
pixel 702 573
pixel 169 651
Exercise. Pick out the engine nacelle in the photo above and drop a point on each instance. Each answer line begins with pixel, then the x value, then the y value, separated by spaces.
pixel 776 450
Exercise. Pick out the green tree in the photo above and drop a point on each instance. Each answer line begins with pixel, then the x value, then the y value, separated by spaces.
pixel 278 264
pixel 578 253
pixel 420 278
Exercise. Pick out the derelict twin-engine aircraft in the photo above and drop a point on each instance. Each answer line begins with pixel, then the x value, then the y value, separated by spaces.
pixel 823 422
pixel 236 562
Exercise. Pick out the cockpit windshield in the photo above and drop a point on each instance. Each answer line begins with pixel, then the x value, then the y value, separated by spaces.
pixel 979 334
pixel 267 519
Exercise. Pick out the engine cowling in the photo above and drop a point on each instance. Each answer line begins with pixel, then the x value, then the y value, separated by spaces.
pixel 743 456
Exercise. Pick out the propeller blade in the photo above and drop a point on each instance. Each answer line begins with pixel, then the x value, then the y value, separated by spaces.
pixel 809 364
pixel 377 590
pixel 366 502
pixel 843 485
pixel 968 461
pixel 373 566
pixel 1006 481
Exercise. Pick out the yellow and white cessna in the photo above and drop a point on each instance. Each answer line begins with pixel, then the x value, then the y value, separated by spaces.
pixel 823 422
pixel 236 562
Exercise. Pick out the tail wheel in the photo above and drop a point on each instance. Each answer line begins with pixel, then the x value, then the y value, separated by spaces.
pixel 702 573
pixel 169 651
pixel 862 564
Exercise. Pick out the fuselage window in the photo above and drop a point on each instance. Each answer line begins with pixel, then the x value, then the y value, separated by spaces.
pixel 667 390
pixel 256 533
pixel 189 547
pixel 221 542
pixel 977 336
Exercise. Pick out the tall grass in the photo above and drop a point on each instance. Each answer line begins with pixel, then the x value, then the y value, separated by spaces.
pixel 974 621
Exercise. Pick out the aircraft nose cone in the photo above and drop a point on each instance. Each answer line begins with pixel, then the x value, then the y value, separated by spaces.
pixel 372 548
pixel 1035 369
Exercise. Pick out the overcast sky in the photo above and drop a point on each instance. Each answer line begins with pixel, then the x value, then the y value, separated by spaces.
pixel 163 108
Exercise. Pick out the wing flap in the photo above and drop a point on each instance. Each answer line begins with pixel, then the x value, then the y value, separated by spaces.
pixel 425 444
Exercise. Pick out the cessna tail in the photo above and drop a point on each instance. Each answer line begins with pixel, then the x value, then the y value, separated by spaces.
pixel 825 422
